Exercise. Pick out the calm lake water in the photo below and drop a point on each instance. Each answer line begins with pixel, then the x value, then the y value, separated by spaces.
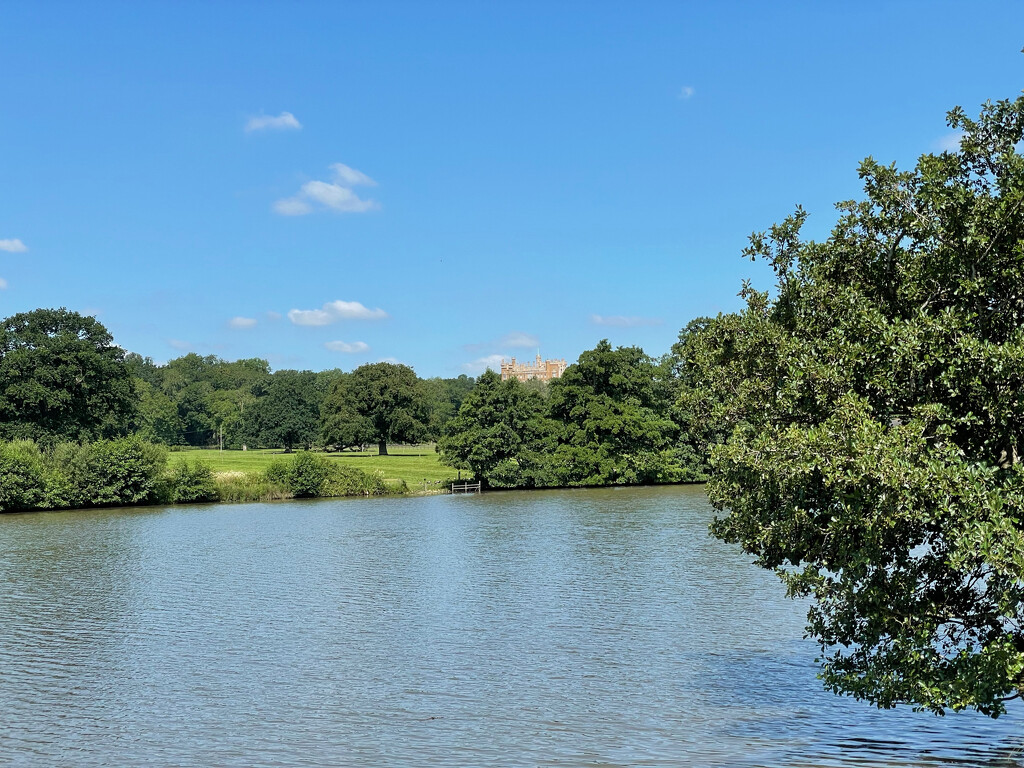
pixel 564 628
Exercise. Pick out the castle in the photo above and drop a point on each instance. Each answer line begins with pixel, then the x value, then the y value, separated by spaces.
pixel 545 370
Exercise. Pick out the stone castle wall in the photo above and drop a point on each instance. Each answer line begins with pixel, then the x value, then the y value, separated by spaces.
pixel 544 370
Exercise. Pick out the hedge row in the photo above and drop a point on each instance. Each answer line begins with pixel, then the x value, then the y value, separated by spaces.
pixel 130 471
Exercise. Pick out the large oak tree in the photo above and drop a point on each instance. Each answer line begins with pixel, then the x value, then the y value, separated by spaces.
pixel 61 378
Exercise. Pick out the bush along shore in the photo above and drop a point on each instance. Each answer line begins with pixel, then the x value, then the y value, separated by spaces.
pixel 130 471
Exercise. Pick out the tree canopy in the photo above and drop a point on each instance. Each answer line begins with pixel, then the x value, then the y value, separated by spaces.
pixel 288 414
pixel 61 377
pixel 613 406
pixel 875 418
pixel 500 434
pixel 386 400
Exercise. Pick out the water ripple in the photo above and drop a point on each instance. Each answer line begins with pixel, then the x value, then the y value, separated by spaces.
pixel 583 628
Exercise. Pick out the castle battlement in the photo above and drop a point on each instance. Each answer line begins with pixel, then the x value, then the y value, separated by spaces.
pixel 544 370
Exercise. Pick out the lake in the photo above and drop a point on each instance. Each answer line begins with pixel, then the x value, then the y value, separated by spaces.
pixel 556 628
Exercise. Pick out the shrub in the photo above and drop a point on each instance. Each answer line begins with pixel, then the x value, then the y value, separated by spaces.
pixel 344 480
pixel 248 486
pixel 21 476
pixel 277 471
pixel 59 486
pixel 193 483
pixel 113 472
pixel 307 474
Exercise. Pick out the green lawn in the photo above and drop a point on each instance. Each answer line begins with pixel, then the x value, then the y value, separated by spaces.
pixel 412 463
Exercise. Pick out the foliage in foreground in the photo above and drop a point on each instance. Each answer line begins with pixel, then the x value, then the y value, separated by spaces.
pixel 876 417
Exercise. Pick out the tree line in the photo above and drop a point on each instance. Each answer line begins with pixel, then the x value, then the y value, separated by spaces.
pixel 614 417
pixel 62 378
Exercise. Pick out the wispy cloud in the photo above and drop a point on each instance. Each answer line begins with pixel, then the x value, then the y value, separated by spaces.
pixel 686 92
pixel 292 206
pixel 13 245
pixel 350 177
pixel 286 121
pixel 242 322
pixel 950 142
pixel 335 195
pixel 333 311
pixel 272 315
pixel 347 347
pixel 518 339
pixel 622 321
pixel 181 346
pixel 511 340
pixel 3 284
pixel 481 364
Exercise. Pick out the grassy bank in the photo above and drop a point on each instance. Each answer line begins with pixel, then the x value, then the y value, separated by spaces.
pixel 411 463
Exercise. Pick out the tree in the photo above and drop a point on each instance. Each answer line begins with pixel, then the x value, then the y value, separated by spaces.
pixel 614 406
pixel 61 377
pixel 443 398
pixel 702 420
pixel 157 417
pixel 499 434
pixel 388 397
pixel 876 412
pixel 287 414
pixel 341 424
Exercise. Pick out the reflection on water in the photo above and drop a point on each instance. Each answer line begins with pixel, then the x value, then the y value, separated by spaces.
pixel 564 628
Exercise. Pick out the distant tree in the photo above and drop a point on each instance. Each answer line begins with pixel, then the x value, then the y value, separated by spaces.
pixel 61 377
pixel 389 397
pixel 614 407
pixel 540 386
pixel 443 398
pixel 702 423
pixel 156 418
pixel 341 424
pixel 500 434
pixel 143 368
pixel 287 415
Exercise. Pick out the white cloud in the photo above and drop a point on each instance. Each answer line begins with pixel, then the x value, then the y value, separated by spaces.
pixel 950 142
pixel 687 92
pixel 283 122
pixel 13 246
pixel 242 322
pixel 518 339
pixel 272 315
pixel 350 177
pixel 350 348
pixel 392 360
pixel 621 321
pixel 334 195
pixel 3 284
pixel 292 206
pixel 481 364
pixel 333 311
pixel 183 346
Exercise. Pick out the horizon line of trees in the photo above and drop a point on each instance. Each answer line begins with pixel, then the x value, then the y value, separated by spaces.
pixel 612 418
pixel 62 378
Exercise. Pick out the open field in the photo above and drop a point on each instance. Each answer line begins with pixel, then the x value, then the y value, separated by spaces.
pixel 412 463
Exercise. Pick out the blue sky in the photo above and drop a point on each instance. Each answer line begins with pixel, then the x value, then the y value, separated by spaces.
pixel 324 185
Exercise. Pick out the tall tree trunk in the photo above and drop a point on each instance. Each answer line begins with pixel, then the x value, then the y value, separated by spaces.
pixel 382 447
